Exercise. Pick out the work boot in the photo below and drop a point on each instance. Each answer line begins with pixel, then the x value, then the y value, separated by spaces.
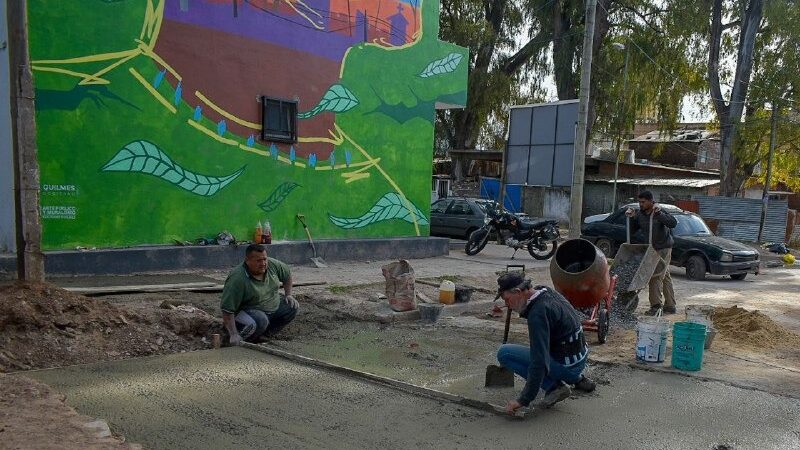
pixel 669 310
pixel 562 392
pixel 653 310
pixel 585 385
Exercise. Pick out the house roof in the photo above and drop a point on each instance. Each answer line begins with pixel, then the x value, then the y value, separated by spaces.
pixel 679 182
pixel 680 135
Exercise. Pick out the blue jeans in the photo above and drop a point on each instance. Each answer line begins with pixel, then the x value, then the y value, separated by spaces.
pixel 518 358
pixel 253 323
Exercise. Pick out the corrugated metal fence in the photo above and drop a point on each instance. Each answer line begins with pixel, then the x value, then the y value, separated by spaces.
pixel 739 218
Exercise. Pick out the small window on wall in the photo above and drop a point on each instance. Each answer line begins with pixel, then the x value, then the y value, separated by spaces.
pixel 279 120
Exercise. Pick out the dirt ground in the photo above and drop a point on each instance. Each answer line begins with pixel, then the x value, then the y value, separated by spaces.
pixel 346 322
pixel 32 415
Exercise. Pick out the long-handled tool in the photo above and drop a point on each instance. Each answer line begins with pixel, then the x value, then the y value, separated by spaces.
pixel 498 376
pixel 319 262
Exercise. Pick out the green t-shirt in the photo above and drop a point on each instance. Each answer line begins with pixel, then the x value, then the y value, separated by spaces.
pixel 242 291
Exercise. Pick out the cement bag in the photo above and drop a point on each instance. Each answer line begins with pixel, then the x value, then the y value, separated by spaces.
pixel 400 285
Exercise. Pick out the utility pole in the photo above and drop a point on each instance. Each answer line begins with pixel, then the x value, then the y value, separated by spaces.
pixel 621 124
pixel 773 135
pixel 579 163
pixel 30 261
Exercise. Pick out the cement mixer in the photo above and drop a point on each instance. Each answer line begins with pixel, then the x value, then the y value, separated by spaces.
pixel 580 272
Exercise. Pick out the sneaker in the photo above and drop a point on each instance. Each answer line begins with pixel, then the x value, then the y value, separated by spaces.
pixel 585 385
pixel 670 310
pixel 558 394
pixel 652 311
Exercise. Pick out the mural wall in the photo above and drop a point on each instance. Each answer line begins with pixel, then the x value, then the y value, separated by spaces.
pixel 149 117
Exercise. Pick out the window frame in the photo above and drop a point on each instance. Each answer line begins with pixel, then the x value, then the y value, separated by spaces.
pixel 288 136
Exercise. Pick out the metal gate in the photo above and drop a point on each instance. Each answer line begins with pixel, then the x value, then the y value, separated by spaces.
pixel 739 218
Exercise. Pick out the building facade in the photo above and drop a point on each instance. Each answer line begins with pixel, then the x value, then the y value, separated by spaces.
pixel 162 120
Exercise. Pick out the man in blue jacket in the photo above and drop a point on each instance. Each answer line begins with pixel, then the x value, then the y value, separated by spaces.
pixel 558 351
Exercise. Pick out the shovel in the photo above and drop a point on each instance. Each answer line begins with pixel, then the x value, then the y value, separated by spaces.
pixel 498 376
pixel 319 262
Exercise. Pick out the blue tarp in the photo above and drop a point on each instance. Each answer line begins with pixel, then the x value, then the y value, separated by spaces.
pixel 490 189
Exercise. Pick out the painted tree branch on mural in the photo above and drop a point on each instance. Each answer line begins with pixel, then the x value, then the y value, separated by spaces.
pixel 447 64
pixel 337 99
pixel 390 206
pixel 147 158
pixel 278 196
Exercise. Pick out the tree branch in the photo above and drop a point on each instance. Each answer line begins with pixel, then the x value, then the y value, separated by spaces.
pixel 534 46
pixel 644 16
pixel 729 25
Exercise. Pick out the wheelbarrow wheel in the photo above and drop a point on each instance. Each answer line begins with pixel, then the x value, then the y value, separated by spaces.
pixel 603 324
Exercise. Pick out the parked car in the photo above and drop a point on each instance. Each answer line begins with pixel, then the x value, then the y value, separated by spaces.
pixel 458 216
pixel 696 248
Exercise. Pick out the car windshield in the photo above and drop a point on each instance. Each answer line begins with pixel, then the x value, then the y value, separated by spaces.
pixel 690 225
pixel 483 204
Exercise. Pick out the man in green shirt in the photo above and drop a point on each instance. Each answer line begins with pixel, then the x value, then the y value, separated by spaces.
pixel 251 305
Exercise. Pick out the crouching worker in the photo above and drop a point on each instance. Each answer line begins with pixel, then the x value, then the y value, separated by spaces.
pixel 251 305
pixel 557 353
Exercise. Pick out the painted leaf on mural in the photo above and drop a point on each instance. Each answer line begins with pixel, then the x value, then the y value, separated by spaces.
pixel 337 99
pixel 445 65
pixel 146 157
pixel 390 206
pixel 278 196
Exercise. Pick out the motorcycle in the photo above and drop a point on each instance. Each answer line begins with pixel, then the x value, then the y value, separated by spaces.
pixel 540 238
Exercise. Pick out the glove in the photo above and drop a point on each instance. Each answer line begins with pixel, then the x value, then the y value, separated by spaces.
pixel 292 302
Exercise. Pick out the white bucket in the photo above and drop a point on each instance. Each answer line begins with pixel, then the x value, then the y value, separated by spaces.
pixel 703 314
pixel 651 339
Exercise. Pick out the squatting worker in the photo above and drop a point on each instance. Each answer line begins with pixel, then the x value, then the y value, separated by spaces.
pixel 558 351
pixel 663 223
pixel 251 305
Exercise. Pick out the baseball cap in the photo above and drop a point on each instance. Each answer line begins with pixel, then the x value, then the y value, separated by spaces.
pixel 508 281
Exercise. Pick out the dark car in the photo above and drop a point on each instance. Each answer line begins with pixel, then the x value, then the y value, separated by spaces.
pixel 696 248
pixel 458 216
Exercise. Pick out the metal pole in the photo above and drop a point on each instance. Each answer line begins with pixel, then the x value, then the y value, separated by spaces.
pixel 620 130
pixel 768 181
pixel 30 261
pixel 576 193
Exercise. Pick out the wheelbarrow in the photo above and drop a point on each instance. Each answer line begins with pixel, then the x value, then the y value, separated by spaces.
pixel 634 265
pixel 580 273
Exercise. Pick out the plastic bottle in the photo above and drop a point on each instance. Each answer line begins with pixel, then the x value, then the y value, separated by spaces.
pixel 447 292
pixel 267 236
pixel 257 235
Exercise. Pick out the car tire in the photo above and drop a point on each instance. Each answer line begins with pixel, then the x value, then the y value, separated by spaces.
pixel 470 231
pixel 605 246
pixel 696 268
pixel 738 276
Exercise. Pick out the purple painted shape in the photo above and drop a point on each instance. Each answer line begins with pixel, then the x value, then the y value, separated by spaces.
pixel 291 31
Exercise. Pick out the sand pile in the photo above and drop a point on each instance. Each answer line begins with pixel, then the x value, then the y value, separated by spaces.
pixel 753 328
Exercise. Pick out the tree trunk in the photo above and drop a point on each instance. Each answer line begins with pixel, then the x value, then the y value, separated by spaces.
pixel 730 113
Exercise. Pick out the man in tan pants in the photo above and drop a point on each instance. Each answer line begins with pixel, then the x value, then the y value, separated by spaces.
pixel 662 241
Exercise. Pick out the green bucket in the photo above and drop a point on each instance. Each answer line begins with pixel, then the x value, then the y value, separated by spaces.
pixel 688 340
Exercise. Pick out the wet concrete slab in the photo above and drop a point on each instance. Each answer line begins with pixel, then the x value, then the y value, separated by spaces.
pixel 239 398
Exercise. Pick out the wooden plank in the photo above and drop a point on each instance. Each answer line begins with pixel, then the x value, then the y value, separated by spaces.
pixel 479 289
pixel 167 287
pixel 390 382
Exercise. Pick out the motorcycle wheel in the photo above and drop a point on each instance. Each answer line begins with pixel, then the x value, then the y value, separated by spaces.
pixel 544 250
pixel 476 242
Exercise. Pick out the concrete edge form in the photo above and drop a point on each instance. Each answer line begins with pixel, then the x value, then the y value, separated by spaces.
pixel 121 261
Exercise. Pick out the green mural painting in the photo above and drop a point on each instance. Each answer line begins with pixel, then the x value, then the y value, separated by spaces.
pixel 149 126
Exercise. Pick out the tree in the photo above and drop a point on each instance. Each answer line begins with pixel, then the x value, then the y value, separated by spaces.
pixel 766 75
pixel 504 72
